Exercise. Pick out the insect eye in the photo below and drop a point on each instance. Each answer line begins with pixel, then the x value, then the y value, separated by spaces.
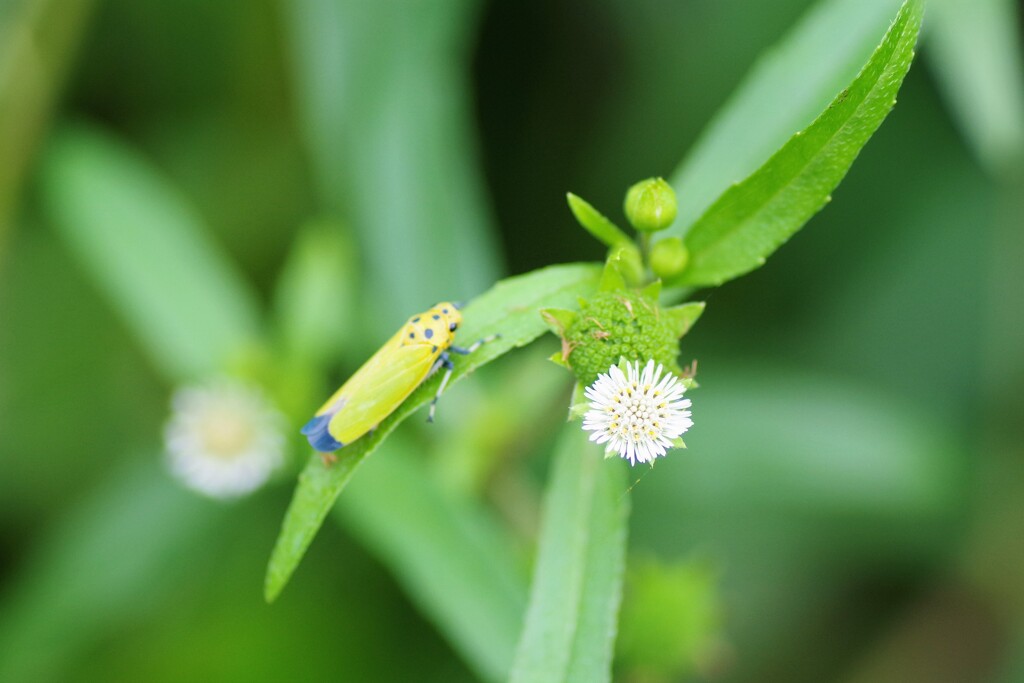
pixel 453 327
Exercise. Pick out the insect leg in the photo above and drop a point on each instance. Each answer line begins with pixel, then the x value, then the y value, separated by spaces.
pixel 446 363
pixel 476 345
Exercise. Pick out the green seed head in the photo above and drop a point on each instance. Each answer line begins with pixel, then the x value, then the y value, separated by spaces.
pixel 651 205
pixel 618 324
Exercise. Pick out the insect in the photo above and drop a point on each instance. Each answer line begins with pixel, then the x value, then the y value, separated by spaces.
pixel 418 350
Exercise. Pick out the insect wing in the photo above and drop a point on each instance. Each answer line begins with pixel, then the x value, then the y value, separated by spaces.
pixel 340 397
pixel 379 387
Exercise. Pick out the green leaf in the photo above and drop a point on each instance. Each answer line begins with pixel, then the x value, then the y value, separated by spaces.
pixel 684 316
pixel 510 309
pixel 453 559
pixel 652 291
pixel 383 103
pixel 612 279
pixel 595 222
pixel 513 410
pixel 571 620
pixel 149 252
pixel 787 88
pixel 314 303
pixel 975 47
pixel 623 268
pixel 752 219
pixel 112 556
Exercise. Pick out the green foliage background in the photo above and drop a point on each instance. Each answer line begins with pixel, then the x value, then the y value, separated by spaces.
pixel 850 505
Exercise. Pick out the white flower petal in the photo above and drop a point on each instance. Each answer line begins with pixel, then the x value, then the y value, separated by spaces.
pixel 638 413
pixel 223 440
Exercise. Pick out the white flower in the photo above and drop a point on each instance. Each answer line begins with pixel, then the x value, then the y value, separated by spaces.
pixel 223 440
pixel 637 415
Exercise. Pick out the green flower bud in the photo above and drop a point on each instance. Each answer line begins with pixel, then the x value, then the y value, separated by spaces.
pixel 669 258
pixel 651 205
pixel 620 324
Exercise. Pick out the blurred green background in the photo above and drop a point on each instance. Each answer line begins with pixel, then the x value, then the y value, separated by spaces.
pixel 855 478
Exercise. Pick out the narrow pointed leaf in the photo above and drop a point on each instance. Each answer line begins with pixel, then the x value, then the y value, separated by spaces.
pixel 612 279
pixel 752 219
pixel 571 620
pixel 149 252
pixel 975 46
pixel 626 259
pixel 510 309
pixel 652 291
pixel 383 103
pixel 595 222
pixel 784 91
pixel 314 303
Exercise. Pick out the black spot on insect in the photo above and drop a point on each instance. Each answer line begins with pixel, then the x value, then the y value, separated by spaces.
pixel 428 333
pixel 437 317
pixel 445 311
pixel 453 327
pixel 412 335
pixel 416 319
pixel 434 350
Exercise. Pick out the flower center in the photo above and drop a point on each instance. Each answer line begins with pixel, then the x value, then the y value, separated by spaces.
pixel 225 434
pixel 636 413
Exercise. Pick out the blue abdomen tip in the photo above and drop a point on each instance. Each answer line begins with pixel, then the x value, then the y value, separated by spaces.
pixel 319 437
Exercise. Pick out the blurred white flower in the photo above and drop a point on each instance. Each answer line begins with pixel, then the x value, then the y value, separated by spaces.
pixel 223 440
pixel 637 415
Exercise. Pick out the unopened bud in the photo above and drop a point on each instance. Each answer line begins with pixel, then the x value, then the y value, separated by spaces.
pixel 651 205
pixel 669 258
